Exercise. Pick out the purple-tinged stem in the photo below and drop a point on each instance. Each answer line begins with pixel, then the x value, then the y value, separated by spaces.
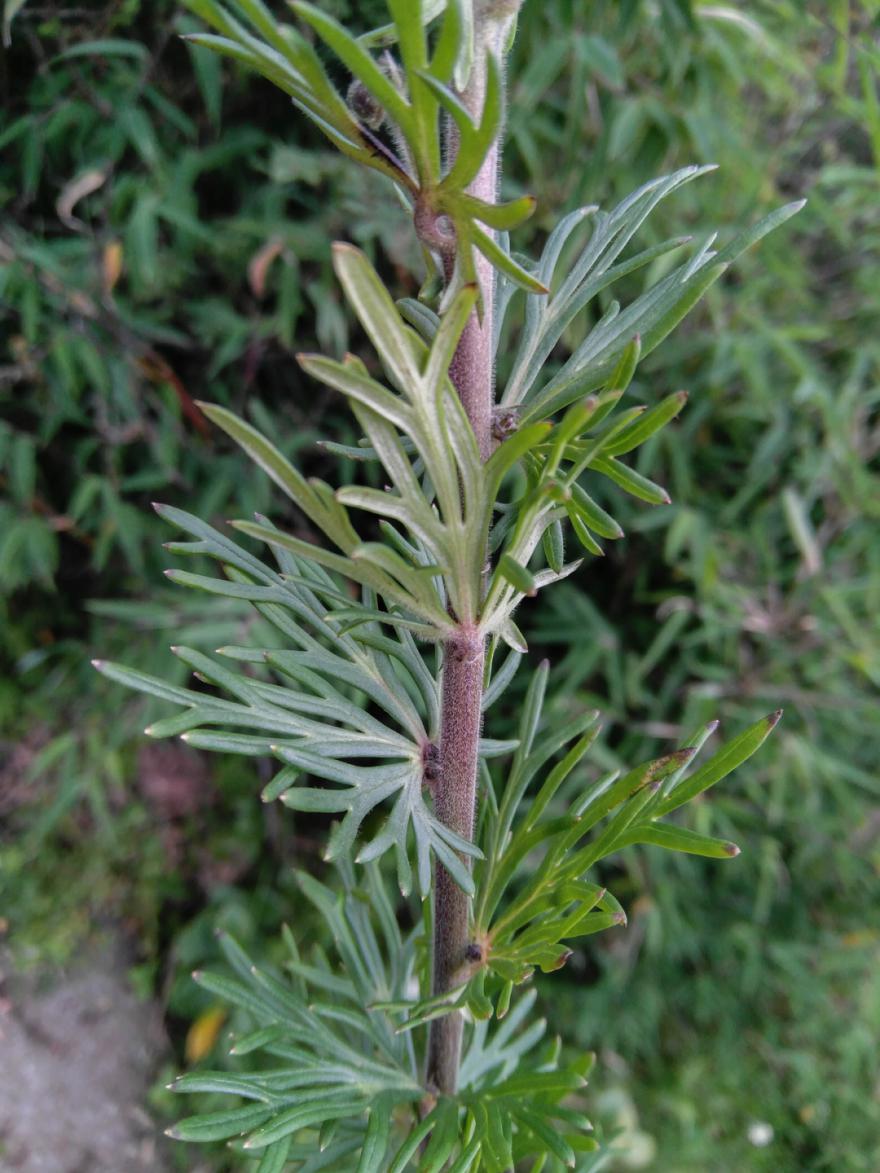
pixel 454 804
pixel 472 373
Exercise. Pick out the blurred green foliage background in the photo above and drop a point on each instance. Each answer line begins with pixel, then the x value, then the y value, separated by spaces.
pixel 164 238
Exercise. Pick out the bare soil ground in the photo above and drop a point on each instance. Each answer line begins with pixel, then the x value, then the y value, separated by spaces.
pixel 76 1061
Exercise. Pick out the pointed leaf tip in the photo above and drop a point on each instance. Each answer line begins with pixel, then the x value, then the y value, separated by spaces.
pixel 732 850
pixel 774 718
pixel 672 761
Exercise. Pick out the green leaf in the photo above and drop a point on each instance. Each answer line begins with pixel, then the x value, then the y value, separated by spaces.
pixel 631 481
pixel 679 839
pixel 731 755
pixel 469 1155
pixel 518 576
pixel 216 17
pixel 513 637
pixel 359 388
pixel 358 572
pixel 358 62
pixel 275 1157
pixel 511 450
pixel 495 1125
pixel 387 33
pixel 444 1137
pixel 590 272
pixel 305 1115
pixel 108 47
pixel 378 314
pixel 420 316
pixel 377 1137
pixel 256 1040
pixel 622 375
pixel 448 334
pixel 504 262
pixel 266 455
pixel 554 546
pixel 593 515
pixel 560 772
pixel 449 44
pixel 411 1145
pixel 211 1126
pixel 268 65
pixel 583 534
pixel 646 425
pixel 758 231
pixel 654 315
pixel 536 1083
pixel 142 682
pixel 409 21
pixel 604 798
pixel 501 217
pixel 475 143
pixel 552 1140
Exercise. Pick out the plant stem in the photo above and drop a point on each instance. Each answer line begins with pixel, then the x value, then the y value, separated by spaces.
pixel 473 375
pixel 454 804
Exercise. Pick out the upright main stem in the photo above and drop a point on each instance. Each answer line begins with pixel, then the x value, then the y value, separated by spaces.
pixel 472 373
pixel 454 805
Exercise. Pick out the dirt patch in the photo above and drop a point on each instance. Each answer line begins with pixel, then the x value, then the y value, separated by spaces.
pixel 76 1062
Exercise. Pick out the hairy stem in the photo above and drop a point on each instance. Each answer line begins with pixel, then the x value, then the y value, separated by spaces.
pixel 472 373
pixel 454 805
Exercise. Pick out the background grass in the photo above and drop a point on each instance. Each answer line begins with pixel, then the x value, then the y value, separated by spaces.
pixel 165 237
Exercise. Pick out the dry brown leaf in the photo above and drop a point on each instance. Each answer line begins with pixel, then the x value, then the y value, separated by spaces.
pixel 258 267
pixel 111 265
pixel 202 1035
pixel 76 190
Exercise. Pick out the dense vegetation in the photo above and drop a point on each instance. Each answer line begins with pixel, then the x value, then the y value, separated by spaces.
pixel 167 239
